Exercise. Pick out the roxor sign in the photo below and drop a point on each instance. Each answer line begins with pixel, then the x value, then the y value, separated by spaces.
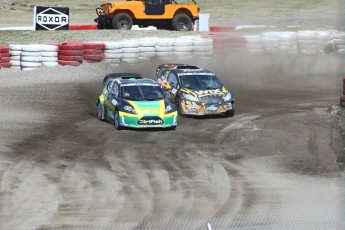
pixel 51 18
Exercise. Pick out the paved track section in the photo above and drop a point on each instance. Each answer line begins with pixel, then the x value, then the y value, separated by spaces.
pixel 277 164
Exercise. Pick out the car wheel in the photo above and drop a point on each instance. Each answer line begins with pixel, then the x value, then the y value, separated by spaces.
pixel 122 21
pixel 100 112
pixel 117 120
pixel 182 22
pixel 230 113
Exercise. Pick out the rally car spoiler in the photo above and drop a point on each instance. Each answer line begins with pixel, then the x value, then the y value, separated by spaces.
pixel 112 76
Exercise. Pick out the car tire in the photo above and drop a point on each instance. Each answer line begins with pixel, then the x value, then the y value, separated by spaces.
pixel 182 22
pixel 230 113
pixel 122 21
pixel 100 112
pixel 117 120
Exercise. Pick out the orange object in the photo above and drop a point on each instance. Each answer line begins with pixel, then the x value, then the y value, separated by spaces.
pixel 164 14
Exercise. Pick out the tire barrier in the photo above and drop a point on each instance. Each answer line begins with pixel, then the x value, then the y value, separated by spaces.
pixel 5 57
pixel 70 53
pixel 170 49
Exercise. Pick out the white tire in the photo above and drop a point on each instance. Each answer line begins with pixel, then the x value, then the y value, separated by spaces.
pixel 49 59
pixel 130 44
pixel 113 51
pixel 112 45
pixel 15 52
pixel 50 64
pixel 147 42
pixel 147 49
pixel 202 42
pixel 183 42
pixel 15 58
pixel 49 48
pixel 49 53
pixel 14 63
pixel 165 42
pixel 30 64
pixel 31 53
pixel 147 54
pixel 130 50
pixel 30 59
pixel 32 48
pixel 164 48
pixel 112 56
pixel 129 55
pixel 16 47
pixel 183 48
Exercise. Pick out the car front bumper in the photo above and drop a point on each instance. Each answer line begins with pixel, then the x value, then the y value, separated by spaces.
pixel 200 109
pixel 152 121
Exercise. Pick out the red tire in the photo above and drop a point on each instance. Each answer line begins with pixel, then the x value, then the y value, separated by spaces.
pixel 4 49
pixel 71 46
pixel 342 98
pixel 71 52
pixel 94 46
pixel 4 59
pixel 6 65
pixel 5 55
pixel 72 63
pixel 93 57
pixel 92 52
pixel 71 58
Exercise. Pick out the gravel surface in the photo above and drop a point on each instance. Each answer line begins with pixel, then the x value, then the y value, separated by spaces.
pixel 277 164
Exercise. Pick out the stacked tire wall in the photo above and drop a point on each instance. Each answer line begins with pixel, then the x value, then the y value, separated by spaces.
pixel 180 49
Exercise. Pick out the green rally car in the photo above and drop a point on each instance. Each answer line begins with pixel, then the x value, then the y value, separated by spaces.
pixel 130 100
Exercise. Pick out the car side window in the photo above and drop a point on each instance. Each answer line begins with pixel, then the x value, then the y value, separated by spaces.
pixel 115 90
pixel 172 79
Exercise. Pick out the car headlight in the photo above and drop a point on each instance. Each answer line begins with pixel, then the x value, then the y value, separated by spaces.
pixel 190 97
pixel 169 109
pixel 129 109
pixel 228 97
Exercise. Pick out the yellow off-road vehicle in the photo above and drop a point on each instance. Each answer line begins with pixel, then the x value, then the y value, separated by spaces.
pixel 163 14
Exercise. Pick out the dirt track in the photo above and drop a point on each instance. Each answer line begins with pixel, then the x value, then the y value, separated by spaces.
pixel 275 165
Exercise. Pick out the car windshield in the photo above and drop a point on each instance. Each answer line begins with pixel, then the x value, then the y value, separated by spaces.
pixel 142 92
pixel 200 82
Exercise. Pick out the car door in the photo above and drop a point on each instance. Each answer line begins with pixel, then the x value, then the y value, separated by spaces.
pixel 173 82
pixel 112 98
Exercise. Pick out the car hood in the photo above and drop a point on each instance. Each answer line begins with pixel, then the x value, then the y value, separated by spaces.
pixel 204 93
pixel 148 107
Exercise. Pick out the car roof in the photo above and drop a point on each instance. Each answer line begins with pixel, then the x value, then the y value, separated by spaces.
pixel 135 81
pixel 192 71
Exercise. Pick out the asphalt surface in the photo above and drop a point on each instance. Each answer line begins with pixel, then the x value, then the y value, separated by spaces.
pixel 277 164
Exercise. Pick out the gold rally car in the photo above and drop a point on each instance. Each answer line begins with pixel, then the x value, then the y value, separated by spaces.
pixel 195 91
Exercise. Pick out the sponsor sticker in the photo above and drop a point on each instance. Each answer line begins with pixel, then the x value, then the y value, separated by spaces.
pixel 51 18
